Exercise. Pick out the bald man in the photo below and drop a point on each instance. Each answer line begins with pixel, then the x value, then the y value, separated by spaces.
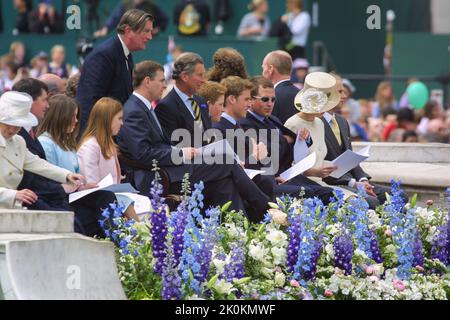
pixel 54 83
pixel 277 67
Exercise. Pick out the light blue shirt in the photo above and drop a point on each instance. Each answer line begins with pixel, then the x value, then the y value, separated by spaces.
pixel 185 98
pixel 57 156
pixel 229 118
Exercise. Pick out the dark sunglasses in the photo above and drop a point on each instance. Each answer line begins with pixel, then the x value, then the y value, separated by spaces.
pixel 266 99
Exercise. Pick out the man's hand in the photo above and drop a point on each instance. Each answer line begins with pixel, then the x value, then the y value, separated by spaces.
pixel 26 196
pixel 189 153
pixel 101 33
pixel 289 139
pixel 321 172
pixel 368 187
pixel 280 180
pixel 259 151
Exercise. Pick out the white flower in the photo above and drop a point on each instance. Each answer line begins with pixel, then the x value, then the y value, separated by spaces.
pixel 277 237
pixel 223 287
pixel 361 254
pixel 258 252
pixel 313 100
pixel 220 265
pixel 279 279
pixel 329 250
pixel 333 229
pixel 279 255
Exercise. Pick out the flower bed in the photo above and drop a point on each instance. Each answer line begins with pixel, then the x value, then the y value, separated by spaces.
pixel 302 250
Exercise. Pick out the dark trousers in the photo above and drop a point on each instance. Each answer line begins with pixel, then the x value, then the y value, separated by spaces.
pixel 224 183
pixel 312 189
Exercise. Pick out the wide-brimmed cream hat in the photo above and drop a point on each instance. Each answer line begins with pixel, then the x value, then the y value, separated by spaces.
pixel 15 109
pixel 319 93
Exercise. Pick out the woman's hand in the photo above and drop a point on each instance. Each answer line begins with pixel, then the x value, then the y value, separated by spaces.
pixel 303 134
pixel 321 172
pixel 87 186
pixel 26 196
pixel 76 178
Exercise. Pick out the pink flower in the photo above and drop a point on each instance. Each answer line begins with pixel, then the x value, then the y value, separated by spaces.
pixel 388 233
pixel 369 270
pixel 294 283
pixel 399 285
pixel 420 269
pixel 430 203
pixel 328 293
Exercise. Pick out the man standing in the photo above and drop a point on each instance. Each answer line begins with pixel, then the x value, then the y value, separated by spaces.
pixel 337 138
pixel 142 140
pixel 182 108
pixel 108 69
pixel 277 67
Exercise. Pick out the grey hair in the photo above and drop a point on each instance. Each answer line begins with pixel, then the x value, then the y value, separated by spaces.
pixel 186 62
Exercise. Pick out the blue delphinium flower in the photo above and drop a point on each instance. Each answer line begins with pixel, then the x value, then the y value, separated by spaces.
pixel 178 223
pixel 358 208
pixel 343 252
pixel 158 223
pixel 375 247
pixel 405 237
pixel 171 281
pixel 210 237
pixel 235 269
pixel 439 248
pixel 418 252
pixel 310 241
pixel 294 239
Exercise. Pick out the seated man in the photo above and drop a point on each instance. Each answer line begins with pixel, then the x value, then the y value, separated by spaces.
pixel 142 140
pixel 259 117
pixel 337 138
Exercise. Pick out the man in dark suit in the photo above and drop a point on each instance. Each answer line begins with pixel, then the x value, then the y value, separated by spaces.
pixel 277 67
pixel 142 140
pixel 51 195
pixel 182 108
pixel 260 118
pixel 107 71
pixel 337 138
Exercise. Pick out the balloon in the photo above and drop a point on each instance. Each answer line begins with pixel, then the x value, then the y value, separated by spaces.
pixel 418 95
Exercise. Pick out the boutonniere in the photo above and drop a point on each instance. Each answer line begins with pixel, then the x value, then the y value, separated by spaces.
pixel 204 105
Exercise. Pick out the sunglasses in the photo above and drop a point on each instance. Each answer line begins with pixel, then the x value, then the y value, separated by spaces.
pixel 266 99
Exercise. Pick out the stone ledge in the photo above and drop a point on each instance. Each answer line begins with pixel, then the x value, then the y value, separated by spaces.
pixel 57 267
pixel 406 152
pixel 424 175
pixel 27 221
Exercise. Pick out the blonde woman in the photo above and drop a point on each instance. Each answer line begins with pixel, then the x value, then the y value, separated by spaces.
pixel 97 151
pixel 384 100
pixel 58 65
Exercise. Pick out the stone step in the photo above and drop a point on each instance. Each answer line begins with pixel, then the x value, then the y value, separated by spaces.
pixel 406 152
pixel 27 221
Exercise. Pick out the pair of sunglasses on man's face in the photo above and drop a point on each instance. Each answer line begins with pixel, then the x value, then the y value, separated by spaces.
pixel 266 99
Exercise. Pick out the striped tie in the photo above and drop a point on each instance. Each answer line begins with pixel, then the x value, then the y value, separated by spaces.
pixel 196 109
pixel 335 128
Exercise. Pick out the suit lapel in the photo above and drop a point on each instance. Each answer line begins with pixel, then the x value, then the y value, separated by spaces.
pixel 154 125
pixel 123 63
pixel 331 141
pixel 187 116
pixel 344 132
pixel 11 154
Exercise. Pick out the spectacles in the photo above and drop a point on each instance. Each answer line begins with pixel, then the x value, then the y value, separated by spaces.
pixel 266 99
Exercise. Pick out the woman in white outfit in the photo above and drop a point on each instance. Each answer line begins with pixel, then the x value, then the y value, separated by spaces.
pixel 14 156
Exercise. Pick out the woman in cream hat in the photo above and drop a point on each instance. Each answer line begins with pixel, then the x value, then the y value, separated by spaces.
pixel 319 95
pixel 15 157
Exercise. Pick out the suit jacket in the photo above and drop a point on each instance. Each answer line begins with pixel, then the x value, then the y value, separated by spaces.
pixel 93 164
pixel 284 107
pixel 14 159
pixel 46 190
pixel 241 144
pixel 104 74
pixel 334 151
pixel 140 140
pixel 285 150
pixel 173 114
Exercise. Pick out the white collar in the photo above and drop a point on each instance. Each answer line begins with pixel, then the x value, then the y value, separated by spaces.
pixel 279 82
pixel 182 95
pixel 126 51
pixel 328 116
pixel 147 103
pixel 229 118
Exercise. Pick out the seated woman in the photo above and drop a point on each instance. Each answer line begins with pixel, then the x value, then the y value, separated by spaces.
pixel 14 156
pixel 97 151
pixel 256 23
pixel 312 104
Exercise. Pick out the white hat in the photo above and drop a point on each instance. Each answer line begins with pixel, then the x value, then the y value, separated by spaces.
pixel 15 109
pixel 349 85
pixel 319 93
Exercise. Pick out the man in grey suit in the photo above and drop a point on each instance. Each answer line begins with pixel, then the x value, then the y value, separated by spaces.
pixel 337 138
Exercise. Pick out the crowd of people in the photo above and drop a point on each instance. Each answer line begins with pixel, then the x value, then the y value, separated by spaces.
pixel 61 133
